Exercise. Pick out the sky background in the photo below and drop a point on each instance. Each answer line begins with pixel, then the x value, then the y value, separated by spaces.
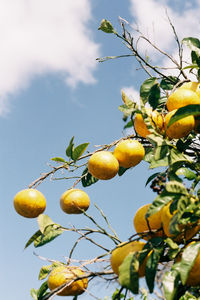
pixel 52 88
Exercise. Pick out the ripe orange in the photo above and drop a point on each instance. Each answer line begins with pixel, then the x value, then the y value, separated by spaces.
pixel 29 203
pixel 103 165
pixel 182 97
pixel 65 274
pixel 193 86
pixel 73 201
pixel 154 222
pixel 187 232
pixel 129 153
pixel 121 251
pixel 180 128
pixel 140 126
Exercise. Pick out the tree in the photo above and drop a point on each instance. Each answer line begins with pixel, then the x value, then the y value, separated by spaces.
pixel 171 142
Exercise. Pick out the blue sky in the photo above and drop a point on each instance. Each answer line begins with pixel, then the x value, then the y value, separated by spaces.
pixel 52 88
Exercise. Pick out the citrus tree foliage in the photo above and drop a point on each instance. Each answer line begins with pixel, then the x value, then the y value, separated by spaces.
pixel 168 258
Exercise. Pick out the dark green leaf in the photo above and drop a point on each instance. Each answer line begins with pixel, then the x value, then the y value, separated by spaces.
pixel 192 43
pixel 88 179
pixel 122 170
pixel 151 268
pixel 170 284
pixel 186 173
pixel 117 295
pixel 33 238
pixel 128 273
pixel 44 271
pixel 34 294
pixel 50 233
pixel 129 124
pixel 79 150
pixel 195 58
pixel 174 248
pixel 106 26
pixel 174 228
pixel 188 259
pixel 161 152
pixel 42 290
pixel 152 177
pixel 160 201
pixel 168 83
pixel 58 159
pixel 145 88
pixel 176 188
pixel 191 109
pixel 70 148
pixel 154 96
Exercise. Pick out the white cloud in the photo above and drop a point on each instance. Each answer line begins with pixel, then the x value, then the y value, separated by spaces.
pixel 44 36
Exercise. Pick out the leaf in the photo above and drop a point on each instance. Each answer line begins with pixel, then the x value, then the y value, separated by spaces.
pixel 152 177
pixel 122 170
pixel 188 259
pixel 145 88
pixel 168 83
pixel 116 295
pixel 160 201
pixel 159 163
pixel 192 43
pixel 186 173
pixel 88 179
pixel 50 233
pixel 33 238
pixel 126 99
pixel 191 109
pixel 42 290
pixel 106 26
pixel 44 271
pixel 128 273
pixel 70 148
pixel 43 222
pixel 128 109
pixel 188 296
pixel 154 96
pixel 176 157
pixel 58 159
pixel 174 248
pixel 129 124
pixel 161 152
pixel 176 188
pixel 79 150
pixel 34 294
pixel 151 268
pixel 170 284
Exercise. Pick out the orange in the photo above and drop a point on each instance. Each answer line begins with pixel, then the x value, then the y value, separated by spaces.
pixel 141 127
pixel 65 274
pixel 129 153
pixel 187 233
pixel 73 201
pixel 103 165
pixel 180 128
pixel 193 86
pixel 154 222
pixel 29 203
pixel 182 97
pixel 121 251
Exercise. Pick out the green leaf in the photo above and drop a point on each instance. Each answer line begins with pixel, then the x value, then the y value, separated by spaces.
pixel 106 26
pixel 50 233
pixel 168 83
pixel 176 188
pixel 122 170
pixel 128 273
pixel 58 159
pixel 145 88
pixel 177 157
pixel 192 43
pixel 70 148
pixel 88 179
pixel 151 268
pixel 79 150
pixel 186 173
pixel 159 163
pixel 154 96
pixel 160 201
pixel 152 177
pixel 129 125
pixel 42 290
pixel 174 248
pixel 195 58
pixel 191 109
pixel 188 260
pixel 33 238
pixel 44 272
pixel 117 295
pixel 43 222
pixel 34 294
pixel 170 284
pixel 188 296
pixel 161 152
pixel 128 109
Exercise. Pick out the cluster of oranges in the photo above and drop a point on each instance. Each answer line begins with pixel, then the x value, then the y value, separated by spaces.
pixel 188 93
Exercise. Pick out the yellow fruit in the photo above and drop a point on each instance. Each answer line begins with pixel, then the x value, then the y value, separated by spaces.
pixel 73 201
pixel 187 233
pixel 194 274
pixel 180 128
pixel 122 250
pixel 29 203
pixel 193 86
pixel 65 274
pixel 140 126
pixel 103 165
pixel 129 153
pixel 154 222
pixel 182 97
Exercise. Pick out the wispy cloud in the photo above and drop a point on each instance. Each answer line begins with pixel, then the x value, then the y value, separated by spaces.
pixel 45 36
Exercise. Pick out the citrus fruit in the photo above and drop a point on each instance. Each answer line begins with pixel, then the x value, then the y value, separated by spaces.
pixel 182 97
pixel 121 251
pixel 65 274
pixel 142 224
pixel 193 86
pixel 129 153
pixel 141 127
pixel 187 232
pixel 180 128
pixel 74 201
pixel 29 203
pixel 103 165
